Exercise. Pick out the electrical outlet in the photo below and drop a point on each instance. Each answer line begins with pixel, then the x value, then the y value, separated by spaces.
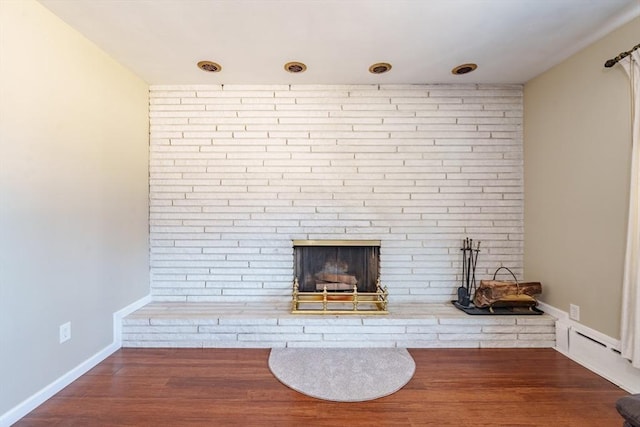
pixel 574 312
pixel 65 332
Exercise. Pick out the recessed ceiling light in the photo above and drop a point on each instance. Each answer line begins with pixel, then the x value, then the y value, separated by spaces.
pixel 379 68
pixel 209 66
pixel 295 67
pixel 464 69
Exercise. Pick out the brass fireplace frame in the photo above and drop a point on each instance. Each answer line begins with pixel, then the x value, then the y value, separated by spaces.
pixel 328 302
pixel 336 243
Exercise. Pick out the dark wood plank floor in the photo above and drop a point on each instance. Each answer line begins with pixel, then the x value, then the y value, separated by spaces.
pixel 234 387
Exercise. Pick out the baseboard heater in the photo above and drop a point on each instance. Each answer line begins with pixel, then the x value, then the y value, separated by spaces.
pixel 598 353
pixel 594 340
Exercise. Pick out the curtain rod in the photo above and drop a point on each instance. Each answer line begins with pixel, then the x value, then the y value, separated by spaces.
pixel 610 63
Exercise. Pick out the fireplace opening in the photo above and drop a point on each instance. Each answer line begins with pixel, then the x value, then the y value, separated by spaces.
pixel 336 265
pixel 337 276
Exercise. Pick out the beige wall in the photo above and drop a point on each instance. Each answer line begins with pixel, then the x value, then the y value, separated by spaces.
pixel 577 145
pixel 73 188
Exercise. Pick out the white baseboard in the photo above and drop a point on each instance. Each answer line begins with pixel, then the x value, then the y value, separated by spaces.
pixel 124 312
pixel 594 350
pixel 51 389
pixel 48 391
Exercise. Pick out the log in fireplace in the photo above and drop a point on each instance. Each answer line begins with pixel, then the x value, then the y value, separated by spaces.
pixel 338 276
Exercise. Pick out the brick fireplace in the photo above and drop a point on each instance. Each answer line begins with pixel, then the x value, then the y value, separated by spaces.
pixel 337 277
pixel 239 172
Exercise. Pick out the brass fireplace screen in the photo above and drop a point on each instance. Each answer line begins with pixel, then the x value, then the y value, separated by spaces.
pixel 338 277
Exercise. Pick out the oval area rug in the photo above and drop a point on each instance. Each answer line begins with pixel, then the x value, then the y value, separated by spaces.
pixel 343 374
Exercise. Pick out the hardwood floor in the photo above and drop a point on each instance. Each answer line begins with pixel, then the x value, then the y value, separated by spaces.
pixel 234 387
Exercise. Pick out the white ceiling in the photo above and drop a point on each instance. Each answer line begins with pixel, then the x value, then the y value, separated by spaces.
pixel 510 40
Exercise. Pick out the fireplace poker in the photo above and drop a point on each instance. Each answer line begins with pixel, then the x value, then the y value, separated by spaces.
pixel 475 263
pixel 463 291
pixel 469 263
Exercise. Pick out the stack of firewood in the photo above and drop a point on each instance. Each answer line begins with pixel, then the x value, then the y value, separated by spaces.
pixel 334 277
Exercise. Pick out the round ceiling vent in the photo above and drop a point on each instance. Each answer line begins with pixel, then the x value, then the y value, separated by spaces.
pixel 464 69
pixel 209 66
pixel 295 67
pixel 379 68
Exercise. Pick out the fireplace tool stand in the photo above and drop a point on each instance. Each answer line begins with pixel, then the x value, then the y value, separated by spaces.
pixel 469 261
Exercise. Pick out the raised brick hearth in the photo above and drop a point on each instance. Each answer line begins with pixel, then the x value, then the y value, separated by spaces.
pixel 259 326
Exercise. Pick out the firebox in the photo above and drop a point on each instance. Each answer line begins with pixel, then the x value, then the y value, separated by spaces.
pixel 338 275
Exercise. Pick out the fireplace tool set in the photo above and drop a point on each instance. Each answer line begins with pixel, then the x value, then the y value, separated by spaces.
pixel 490 295
pixel 469 262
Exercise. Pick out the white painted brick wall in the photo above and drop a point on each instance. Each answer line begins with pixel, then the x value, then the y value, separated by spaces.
pixel 238 172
